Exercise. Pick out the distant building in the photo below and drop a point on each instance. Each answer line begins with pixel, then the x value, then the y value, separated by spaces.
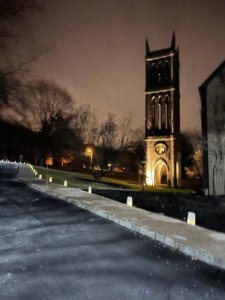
pixel 212 93
pixel 162 125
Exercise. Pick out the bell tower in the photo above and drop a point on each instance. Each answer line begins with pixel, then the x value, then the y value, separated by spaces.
pixel 162 116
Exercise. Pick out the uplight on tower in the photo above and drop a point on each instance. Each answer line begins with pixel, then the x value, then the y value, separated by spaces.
pixel 149 177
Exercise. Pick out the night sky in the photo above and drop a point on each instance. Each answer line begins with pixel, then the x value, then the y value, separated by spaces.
pixel 97 49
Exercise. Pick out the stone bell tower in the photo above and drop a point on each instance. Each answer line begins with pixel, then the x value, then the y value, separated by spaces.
pixel 162 116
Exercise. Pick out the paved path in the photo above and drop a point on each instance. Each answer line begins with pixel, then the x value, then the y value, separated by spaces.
pixel 50 249
pixel 197 242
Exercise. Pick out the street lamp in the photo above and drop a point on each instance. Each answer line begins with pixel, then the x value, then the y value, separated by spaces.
pixel 89 152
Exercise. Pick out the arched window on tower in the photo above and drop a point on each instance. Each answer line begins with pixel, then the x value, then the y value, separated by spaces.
pixel 148 113
pixel 167 122
pixel 153 73
pixel 153 100
pixel 159 72
pixel 160 112
pixel 167 75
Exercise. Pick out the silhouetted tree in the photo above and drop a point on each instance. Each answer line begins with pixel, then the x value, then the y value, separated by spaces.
pixel 85 124
pixel 138 148
pixel 112 137
pixel 196 141
pixel 17 141
pixel 187 153
pixel 50 114
pixel 127 136
pixel 46 101
pixel 64 137
pixel 12 14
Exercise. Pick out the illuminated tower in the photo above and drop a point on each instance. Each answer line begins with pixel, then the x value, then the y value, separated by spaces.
pixel 162 116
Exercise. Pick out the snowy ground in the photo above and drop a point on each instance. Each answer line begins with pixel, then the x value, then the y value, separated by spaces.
pixel 50 249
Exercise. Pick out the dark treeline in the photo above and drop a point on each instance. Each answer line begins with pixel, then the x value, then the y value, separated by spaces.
pixel 16 142
pixel 39 119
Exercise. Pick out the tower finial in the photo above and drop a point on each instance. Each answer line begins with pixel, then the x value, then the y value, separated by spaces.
pixel 147 47
pixel 173 41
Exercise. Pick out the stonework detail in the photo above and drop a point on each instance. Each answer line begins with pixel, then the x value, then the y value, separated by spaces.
pixel 162 116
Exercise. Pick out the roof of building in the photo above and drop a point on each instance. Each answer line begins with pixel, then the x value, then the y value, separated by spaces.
pixel 212 76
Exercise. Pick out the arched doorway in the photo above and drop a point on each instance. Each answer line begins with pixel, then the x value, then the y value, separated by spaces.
pixel 161 173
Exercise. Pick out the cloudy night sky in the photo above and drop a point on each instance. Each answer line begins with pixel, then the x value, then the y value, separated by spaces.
pixel 96 49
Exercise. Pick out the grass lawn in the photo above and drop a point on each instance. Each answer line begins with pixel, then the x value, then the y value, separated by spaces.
pixel 81 180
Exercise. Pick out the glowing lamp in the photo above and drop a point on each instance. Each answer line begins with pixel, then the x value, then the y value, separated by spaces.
pixel 191 219
pixel 129 201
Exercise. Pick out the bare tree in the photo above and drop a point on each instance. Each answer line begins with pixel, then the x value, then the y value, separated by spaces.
pixel 49 112
pixel 9 87
pixel 106 142
pixel 113 137
pixel 85 124
pixel 108 133
pixel 118 134
pixel 115 133
pixel 47 101
pixel 13 15
pixel 125 130
pixel 14 12
pixel 12 84
pixel 196 170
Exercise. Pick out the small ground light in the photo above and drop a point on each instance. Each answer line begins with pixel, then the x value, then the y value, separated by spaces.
pixel 89 190
pixel 129 201
pixel 50 179
pixel 191 219
pixel 65 182
pixel 36 172
pixel 40 176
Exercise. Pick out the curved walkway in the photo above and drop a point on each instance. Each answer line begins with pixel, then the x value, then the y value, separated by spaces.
pixel 199 243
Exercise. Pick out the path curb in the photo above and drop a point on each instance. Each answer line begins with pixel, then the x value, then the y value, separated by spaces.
pixel 172 242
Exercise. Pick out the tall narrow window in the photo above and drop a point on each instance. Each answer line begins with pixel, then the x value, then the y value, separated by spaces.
pixel 167 76
pixel 160 113
pixel 159 72
pixel 167 112
pixel 149 114
pixel 153 110
pixel 153 75
pixel 166 115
